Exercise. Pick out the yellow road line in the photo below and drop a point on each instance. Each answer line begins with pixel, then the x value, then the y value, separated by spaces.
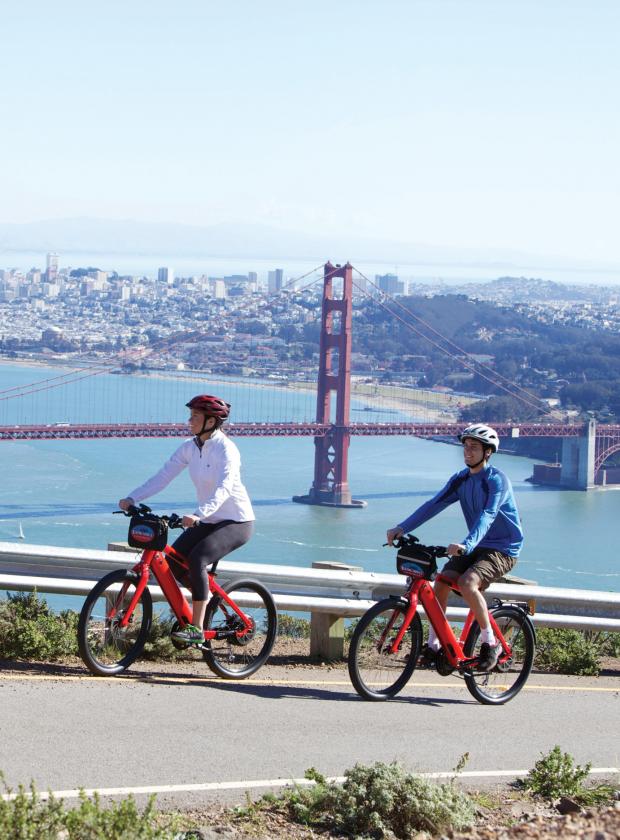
pixel 190 680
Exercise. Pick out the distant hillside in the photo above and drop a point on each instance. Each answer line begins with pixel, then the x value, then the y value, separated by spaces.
pixel 578 366
pixel 101 236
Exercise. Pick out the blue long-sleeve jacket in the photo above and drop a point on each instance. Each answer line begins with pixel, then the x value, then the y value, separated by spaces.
pixel 488 504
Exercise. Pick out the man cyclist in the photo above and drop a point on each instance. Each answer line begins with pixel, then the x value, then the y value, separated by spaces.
pixel 223 519
pixel 493 542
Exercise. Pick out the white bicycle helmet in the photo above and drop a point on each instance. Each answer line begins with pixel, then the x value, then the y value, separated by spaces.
pixel 485 434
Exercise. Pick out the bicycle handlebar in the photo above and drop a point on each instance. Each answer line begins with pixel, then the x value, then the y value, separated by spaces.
pixel 409 540
pixel 173 520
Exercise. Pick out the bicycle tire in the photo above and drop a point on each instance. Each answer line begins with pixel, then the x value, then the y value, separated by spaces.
pixel 238 655
pixel 370 665
pixel 105 648
pixel 507 679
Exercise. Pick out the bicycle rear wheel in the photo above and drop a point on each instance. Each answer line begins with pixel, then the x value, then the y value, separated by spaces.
pixel 376 673
pixel 510 674
pixel 105 647
pixel 236 653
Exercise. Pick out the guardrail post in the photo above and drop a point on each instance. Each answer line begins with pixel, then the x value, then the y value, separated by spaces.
pixel 327 629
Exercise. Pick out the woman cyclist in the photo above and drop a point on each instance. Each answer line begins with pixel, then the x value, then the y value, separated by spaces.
pixel 223 519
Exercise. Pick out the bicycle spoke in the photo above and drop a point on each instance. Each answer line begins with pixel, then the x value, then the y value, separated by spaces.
pixel 511 672
pixel 378 672
pixel 237 651
pixel 105 646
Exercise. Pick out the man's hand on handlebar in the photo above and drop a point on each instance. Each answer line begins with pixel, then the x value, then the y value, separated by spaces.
pixel 455 549
pixel 189 520
pixel 125 504
pixel 394 534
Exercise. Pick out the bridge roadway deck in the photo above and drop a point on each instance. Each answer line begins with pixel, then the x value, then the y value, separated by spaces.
pixel 177 725
pixel 66 431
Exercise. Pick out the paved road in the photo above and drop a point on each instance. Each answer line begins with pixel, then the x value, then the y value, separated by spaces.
pixel 160 728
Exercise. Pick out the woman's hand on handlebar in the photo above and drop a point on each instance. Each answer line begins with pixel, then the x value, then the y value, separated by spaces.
pixel 189 520
pixel 394 534
pixel 455 550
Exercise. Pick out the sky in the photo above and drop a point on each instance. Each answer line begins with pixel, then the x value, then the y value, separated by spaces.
pixel 484 124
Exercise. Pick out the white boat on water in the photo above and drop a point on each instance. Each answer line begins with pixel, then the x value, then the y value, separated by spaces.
pixel 21 536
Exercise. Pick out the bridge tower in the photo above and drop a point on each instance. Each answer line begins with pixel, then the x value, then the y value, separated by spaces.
pixel 331 486
pixel 578 455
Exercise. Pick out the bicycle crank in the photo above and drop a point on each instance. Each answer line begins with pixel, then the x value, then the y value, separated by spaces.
pixel 443 667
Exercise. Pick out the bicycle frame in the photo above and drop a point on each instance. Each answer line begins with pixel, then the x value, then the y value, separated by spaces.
pixel 156 562
pixel 420 590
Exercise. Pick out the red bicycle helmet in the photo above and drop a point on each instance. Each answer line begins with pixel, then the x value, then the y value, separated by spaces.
pixel 212 406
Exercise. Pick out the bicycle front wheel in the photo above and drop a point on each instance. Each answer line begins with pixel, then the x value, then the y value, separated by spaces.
pixel 235 652
pixel 510 674
pixel 105 647
pixel 376 672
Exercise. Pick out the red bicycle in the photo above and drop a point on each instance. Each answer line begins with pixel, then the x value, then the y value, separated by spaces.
pixel 386 644
pixel 240 623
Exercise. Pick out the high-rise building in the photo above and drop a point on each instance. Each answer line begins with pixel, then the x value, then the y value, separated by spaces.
pixel 275 279
pixel 165 275
pixel 51 271
pixel 219 287
pixel 390 284
pixel 99 276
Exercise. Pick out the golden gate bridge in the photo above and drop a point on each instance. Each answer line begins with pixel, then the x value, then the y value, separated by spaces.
pixel 585 446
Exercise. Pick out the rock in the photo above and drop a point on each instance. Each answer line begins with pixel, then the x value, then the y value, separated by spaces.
pixel 568 806
pixel 520 809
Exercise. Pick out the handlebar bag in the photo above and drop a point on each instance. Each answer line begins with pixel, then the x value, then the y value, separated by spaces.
pixel 147 531
pixel 416 560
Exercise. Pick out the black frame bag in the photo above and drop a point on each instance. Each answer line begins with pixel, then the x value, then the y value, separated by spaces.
pixel 416 560
pixel 147 531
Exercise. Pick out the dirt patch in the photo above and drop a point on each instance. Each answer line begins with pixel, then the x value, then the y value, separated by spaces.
pixel 511 818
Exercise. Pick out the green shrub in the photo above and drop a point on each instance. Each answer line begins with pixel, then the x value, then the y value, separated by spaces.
pixel 30 630
pixel 381 800
pixel 293 627
pixel 159 644
pixel 349 628
pixel 609 643
pixel 556 774
pixel 29 817
pixel 567 652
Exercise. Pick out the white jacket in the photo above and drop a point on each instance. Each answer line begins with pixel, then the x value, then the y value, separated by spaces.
pixel 216 472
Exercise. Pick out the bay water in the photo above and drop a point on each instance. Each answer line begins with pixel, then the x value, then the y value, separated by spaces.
pixel 62 493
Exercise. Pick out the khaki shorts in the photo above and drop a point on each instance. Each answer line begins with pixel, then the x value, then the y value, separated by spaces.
pixel 488 564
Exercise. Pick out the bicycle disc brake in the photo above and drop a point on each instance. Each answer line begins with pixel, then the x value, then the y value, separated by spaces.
pixel 246 637
pixel 235 631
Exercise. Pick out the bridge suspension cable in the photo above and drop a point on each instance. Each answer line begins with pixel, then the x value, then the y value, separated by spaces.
pixel 478 368
pixel 97 369
pixel 493 377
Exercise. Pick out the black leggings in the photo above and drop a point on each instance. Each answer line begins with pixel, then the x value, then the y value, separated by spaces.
pixel 203 545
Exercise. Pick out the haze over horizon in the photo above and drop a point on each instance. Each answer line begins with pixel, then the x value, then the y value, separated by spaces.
pixel 409 129
pixel 238 241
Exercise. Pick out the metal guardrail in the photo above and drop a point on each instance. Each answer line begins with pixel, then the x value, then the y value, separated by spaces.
pixel 340 592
